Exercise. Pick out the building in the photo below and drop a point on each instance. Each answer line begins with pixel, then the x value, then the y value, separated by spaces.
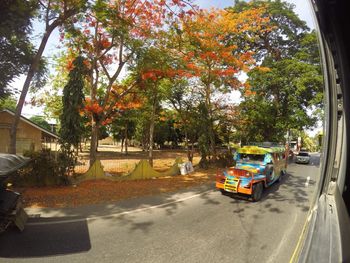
pixel 29 134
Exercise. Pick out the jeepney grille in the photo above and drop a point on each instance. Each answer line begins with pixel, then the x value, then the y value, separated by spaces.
pixel 237 172
pixel 231 184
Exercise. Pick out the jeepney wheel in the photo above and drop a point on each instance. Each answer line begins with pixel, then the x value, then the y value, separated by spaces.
pixel 257 192
pixel 269 172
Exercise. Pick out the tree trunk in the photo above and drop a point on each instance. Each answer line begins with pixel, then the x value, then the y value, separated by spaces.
pixel 151 131
pixel 122 145
pixel 126 138
pixel 211 124
pixel 32 69
pixel 94 142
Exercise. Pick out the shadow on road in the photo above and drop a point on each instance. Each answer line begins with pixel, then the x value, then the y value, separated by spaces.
pixel 72 236
pixel 45 240
pixel 51 232
pixel 291 190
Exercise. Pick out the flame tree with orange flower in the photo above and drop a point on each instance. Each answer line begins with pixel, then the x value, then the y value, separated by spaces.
pixel 110 35
pixel 205 43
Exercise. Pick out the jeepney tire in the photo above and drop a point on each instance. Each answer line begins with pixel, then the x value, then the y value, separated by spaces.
pixel 269 172
pixel 257 191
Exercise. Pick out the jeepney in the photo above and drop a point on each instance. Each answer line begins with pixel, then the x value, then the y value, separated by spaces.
pixel 256 168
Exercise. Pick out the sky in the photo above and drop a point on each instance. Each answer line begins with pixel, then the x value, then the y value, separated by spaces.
pixel 302 8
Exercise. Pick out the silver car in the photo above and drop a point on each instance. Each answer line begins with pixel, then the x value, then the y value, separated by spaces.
pixel 303 157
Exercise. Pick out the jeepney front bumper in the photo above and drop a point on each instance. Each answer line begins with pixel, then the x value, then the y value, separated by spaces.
pixel 234 184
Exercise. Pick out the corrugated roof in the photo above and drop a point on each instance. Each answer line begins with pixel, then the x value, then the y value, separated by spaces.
pixel 31 123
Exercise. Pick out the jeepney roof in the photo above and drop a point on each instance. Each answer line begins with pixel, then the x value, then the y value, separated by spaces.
pixel 260 150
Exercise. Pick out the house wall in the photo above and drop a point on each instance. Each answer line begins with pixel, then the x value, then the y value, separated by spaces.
pixel 27 135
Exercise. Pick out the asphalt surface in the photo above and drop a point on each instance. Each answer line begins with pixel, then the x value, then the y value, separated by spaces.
pixel 197 225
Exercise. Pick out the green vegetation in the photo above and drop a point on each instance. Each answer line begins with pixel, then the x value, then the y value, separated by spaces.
pixel 161 76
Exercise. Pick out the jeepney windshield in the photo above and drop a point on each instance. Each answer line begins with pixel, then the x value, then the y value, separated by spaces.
pixel 253 158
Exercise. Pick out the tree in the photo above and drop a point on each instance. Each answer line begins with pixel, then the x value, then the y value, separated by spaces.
pixel 123 128
pixel 15 48
pixel 53 13
pixel 72 105
pixel 288 86
pixel 153 65
pixel 8 103
pixel 40 120
pixel 111 35
pixel 183 99
pixel 285 30
pixel 211 56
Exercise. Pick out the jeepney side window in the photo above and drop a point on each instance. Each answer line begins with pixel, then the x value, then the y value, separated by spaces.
pixel 245 157
pixel 268 158
pixel 236 156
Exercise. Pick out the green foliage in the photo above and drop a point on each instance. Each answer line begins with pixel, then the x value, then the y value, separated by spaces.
pixel 282 99
pixel 102 133
pixel 166 130
pixel 71 121
pixel 40 120
pixel 16 51
pixel 284 40
pixel 124 125
pixel 72 102
pixel 44 169
pixel 280 95
pixel 8 103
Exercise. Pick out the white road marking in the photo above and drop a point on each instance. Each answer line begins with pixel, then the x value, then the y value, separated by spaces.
pixel 307 181
pixel 63 221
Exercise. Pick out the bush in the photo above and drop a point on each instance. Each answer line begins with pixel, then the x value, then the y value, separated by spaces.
pixel 44 169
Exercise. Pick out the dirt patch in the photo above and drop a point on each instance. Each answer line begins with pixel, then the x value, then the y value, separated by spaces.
pixel 105 191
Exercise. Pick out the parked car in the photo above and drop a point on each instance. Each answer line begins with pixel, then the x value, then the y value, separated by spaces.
pixel 303 157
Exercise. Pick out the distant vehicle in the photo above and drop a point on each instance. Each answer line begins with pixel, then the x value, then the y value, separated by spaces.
pixel 303 157
pixel 256 168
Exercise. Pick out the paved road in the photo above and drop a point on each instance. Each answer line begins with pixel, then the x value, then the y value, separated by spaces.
pixel 198 225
